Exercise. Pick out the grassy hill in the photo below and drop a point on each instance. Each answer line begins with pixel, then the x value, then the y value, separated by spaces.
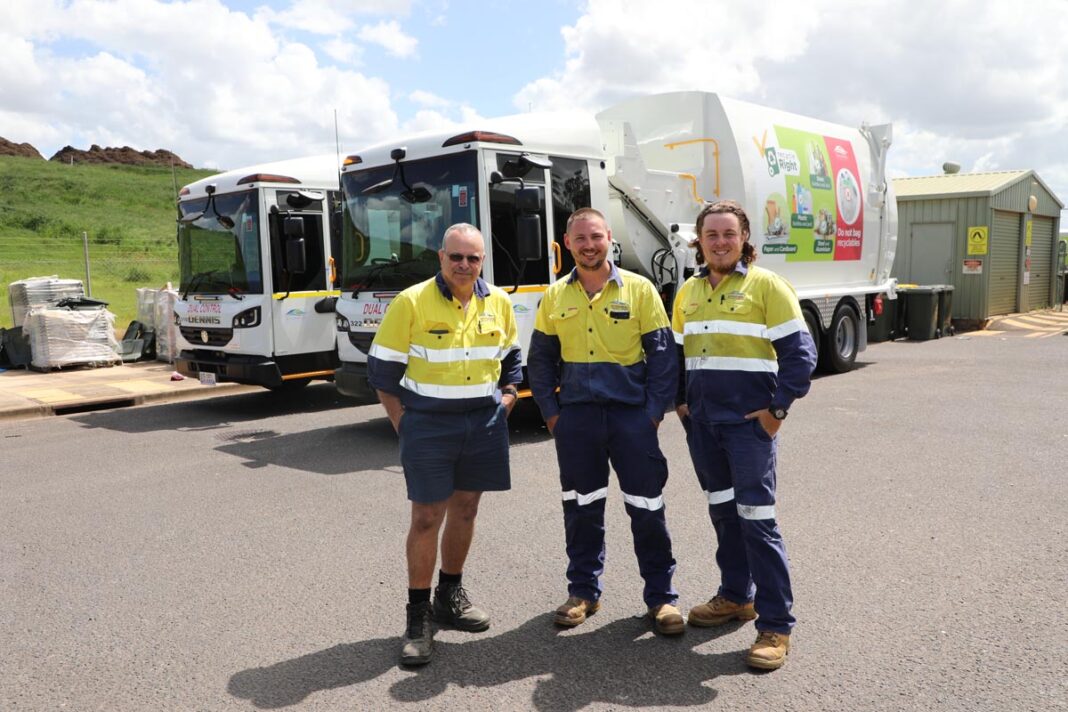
pixel 128 213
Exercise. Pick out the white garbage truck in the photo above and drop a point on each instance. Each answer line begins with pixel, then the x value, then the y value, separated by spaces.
pixel 258 284
pixel 822 212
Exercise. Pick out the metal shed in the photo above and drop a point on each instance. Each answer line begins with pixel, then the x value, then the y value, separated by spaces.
pixel 990 235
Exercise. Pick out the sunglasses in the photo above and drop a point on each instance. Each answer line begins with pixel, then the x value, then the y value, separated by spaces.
pixel 471 259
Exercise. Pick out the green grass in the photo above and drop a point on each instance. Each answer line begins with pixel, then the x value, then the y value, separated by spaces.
pixel 127 212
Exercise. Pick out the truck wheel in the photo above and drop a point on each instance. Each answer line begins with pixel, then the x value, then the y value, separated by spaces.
pixel 813 325
pixel 839 352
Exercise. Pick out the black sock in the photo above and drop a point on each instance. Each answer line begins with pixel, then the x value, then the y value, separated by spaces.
pixel 445 579
pixel 418 595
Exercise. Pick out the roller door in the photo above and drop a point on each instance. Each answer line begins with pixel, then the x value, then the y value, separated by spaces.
pixel 1004 263
pixel 1041 256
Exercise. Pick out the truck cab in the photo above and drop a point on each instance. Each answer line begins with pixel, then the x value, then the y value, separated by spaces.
pixel 257 289
pixel 399 198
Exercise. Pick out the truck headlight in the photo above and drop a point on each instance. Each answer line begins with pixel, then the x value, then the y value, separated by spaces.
pixel 342 323
pixel 247 319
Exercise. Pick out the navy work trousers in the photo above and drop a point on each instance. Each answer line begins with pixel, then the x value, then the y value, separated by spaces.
pixel 589 436
pixel 735 464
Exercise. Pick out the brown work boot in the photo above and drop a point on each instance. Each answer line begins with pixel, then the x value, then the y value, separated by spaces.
pixel 769 651
pixel 666 619
pixel 575 611
pixel 718 611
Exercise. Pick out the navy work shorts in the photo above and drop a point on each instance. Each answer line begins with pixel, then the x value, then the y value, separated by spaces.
pixel 444 452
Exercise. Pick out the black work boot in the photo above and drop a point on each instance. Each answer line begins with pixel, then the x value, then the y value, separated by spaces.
pixel 419 635
pixel 453 608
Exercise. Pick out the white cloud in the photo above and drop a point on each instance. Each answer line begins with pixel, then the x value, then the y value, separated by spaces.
pixel 342 51
pixel 425 98
pixel 214 85
pixel 389 35
pixel 978 83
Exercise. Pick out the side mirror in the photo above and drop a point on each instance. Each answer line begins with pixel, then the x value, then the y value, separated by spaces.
pixel 293 227
pixel 528 237
pixel 296 257
pixel 528 200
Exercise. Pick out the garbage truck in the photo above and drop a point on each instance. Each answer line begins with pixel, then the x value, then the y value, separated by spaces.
pixel 822 212
pixel 258 283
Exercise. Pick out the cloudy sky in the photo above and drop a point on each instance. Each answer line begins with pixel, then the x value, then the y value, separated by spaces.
pixel 226 83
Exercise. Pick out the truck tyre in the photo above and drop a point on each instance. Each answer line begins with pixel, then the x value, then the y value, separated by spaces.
pixel 842 341
pixel 813 324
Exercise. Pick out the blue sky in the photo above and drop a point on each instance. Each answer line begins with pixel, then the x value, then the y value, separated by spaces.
pixel 227 83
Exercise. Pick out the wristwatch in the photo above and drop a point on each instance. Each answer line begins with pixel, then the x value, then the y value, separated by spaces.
pixel 511 390
pixel 778 412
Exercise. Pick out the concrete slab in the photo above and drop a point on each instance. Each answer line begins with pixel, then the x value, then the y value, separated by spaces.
pixel 30 394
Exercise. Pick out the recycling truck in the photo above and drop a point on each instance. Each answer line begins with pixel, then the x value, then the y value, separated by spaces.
pixel 821 210
pixel 257 250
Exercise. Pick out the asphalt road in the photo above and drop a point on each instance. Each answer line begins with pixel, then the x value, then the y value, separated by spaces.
pixel 247 553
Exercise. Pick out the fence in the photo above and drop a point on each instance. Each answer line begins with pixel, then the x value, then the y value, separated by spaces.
pixel 116 267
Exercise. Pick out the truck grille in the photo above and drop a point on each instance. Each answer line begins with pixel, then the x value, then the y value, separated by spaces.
pixel 216 337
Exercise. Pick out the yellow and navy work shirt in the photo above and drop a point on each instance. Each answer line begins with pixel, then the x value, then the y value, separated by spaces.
pixel 743 343
pixel 435 356
pixel 613 348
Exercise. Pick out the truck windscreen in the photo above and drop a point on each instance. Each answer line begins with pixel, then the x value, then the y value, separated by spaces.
pixel 392 236
pixel 214 258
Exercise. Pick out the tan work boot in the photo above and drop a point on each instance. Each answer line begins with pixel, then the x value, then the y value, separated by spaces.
pixel 719 611
pixel 769 651
pixel 575 611
pixel 666 619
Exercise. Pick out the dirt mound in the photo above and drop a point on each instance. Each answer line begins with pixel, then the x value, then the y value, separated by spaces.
pixel 124 155
pixel 9 148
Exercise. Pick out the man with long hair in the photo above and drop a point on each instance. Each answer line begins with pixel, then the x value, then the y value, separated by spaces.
pixel 747 356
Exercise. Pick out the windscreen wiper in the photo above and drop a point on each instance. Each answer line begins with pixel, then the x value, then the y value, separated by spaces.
pixel 195 281
pixel 377 270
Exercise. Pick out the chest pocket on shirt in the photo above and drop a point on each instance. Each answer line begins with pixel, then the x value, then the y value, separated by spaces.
pixel 740 304
pixel 438 334
pixel 565 321
pixel 488 330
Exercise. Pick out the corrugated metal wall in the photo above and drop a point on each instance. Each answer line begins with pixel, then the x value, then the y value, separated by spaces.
pixel 969 290
pixel 999 288
pixel 1004 263
pixel 1041 260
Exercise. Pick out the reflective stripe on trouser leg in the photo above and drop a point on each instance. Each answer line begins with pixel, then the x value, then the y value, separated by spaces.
pixel 751 456
pixel 581 451
pixel 642 471
pixel 714 475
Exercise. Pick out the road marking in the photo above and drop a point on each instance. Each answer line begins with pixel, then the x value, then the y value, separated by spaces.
pixel 50 395
pixel 143 386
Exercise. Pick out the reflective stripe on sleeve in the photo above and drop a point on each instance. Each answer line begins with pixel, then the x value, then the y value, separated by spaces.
pixel 384 353
pixel 650 503
pixel 731 363
pixel 786 328
pixel 748 511
pixel 722 326
pixel 505 350
pixel 454 355
pixel 430 390
pixel 720 496
pixel 679 338
pixel 583 499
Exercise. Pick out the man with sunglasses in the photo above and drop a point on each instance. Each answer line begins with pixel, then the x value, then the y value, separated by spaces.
pixel 445 363
pixel 603 338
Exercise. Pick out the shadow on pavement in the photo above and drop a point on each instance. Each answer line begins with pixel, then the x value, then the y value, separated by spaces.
pixel 343 449
pixel 620 663
pixel 336 450
pixel 219 412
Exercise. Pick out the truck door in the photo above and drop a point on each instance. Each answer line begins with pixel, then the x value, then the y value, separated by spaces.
pixel 504 268
pixel 298 328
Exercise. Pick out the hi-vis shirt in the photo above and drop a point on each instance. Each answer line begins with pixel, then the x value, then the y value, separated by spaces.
pixel 436 357
pixel 615 348
pixel 744 344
